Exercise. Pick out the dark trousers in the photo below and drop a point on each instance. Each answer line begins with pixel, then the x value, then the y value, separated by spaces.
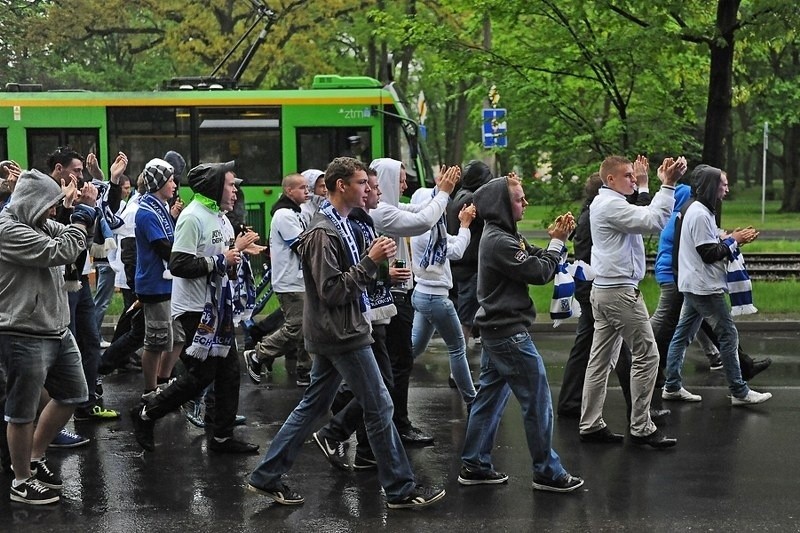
pixel 128 337
pixel 398 345
pixel 348 413
pixel 84 327
pixel 222 371
pixel 569 399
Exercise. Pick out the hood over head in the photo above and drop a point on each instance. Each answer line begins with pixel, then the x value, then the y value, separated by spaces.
pixel 208 179
pixel 705 184
pixel 476 174
pixel 388 171
pixel 312 175
pixel 493 203
pixel 34 195
pixel 421 195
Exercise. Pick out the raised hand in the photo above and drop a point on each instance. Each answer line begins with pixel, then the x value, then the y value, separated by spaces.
pixel 450 178
pixel 118 167
pixel 641 167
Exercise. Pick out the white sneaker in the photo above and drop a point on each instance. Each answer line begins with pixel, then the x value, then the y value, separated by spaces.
pixel 752 398
pixel 680 395
pixel 104 344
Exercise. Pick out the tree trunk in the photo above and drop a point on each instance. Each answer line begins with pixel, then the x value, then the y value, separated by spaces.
pixel 456 127
pixel 791 159
pixel 720 85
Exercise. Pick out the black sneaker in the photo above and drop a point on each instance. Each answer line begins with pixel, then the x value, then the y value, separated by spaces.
pixel 335 451
pixel 566 483
pixel 44 475
pixel 281 494
pixel 253 366
pixel 419 497
pixel 32 491
pixel 364 462
pixel 303 377
pixel 714 361
pixel 468 476
pixel 143 429
pixel 231 445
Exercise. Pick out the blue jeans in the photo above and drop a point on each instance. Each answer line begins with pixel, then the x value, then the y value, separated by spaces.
pixel 432 311
pixel 104 292
pixel 359 369
pixel 84 328
pixel 512 365
pixel 714 309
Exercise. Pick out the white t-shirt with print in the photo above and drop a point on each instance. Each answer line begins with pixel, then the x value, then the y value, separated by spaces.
pixel 694 275
pixel 202 233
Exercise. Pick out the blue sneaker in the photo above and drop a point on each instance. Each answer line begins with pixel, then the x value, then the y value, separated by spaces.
pixel 65 439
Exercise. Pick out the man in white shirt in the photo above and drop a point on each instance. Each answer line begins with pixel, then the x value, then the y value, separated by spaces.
pixel 285 228
pixel 618 260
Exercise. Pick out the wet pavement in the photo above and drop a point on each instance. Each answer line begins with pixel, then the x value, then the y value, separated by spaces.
pixel 733 468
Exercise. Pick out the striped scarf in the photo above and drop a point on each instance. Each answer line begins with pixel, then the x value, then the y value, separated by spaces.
pixel 740 288
pixel 435 253
pixel 343 230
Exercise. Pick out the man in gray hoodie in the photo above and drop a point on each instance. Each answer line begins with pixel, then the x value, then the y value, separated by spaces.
pixel 37 349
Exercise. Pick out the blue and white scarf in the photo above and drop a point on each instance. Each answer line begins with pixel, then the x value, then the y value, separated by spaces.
pixel 740 288
pixel 159 209
pixel 562 306
pixel 244 292
pixel 435 254
pixel 381 301
pixel 214 334
pixel 343 230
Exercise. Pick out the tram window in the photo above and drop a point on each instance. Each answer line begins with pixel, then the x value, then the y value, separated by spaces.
pixel 143 133
pixel 3 144
pixel 42 142
pixel 251 136
pixel 316 147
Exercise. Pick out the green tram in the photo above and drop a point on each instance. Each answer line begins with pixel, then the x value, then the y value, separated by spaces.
pixel 268 133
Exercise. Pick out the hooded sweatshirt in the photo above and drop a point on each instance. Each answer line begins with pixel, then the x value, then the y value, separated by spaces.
pixel 664 270
pixel 476 174
pixel 310 206
pixel 33 248
pixel 507 264
pixel 435 279
pixel 397 220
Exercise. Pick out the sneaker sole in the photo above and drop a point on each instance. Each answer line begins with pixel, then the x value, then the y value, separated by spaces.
pixel 469 482
pixel 679 399
pixel 275 497
pixel 548 488
pixel 736 402
pixel 68 446
pixel 416 504
pixel 20 499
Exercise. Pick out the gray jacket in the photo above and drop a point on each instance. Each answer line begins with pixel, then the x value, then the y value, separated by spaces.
pixel 33 300
pixel 333 321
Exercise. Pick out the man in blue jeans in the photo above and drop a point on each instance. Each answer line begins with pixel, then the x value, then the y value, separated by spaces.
pixel 509 360
pixel 336 280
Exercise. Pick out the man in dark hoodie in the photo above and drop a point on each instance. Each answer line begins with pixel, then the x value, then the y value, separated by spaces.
pixel 509 361
pixel 465 270
pixel 287 281
pixel 203 262
pixel 703 255
pixel 37 349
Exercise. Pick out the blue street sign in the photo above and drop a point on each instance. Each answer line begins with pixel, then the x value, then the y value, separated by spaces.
pixel 494 128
